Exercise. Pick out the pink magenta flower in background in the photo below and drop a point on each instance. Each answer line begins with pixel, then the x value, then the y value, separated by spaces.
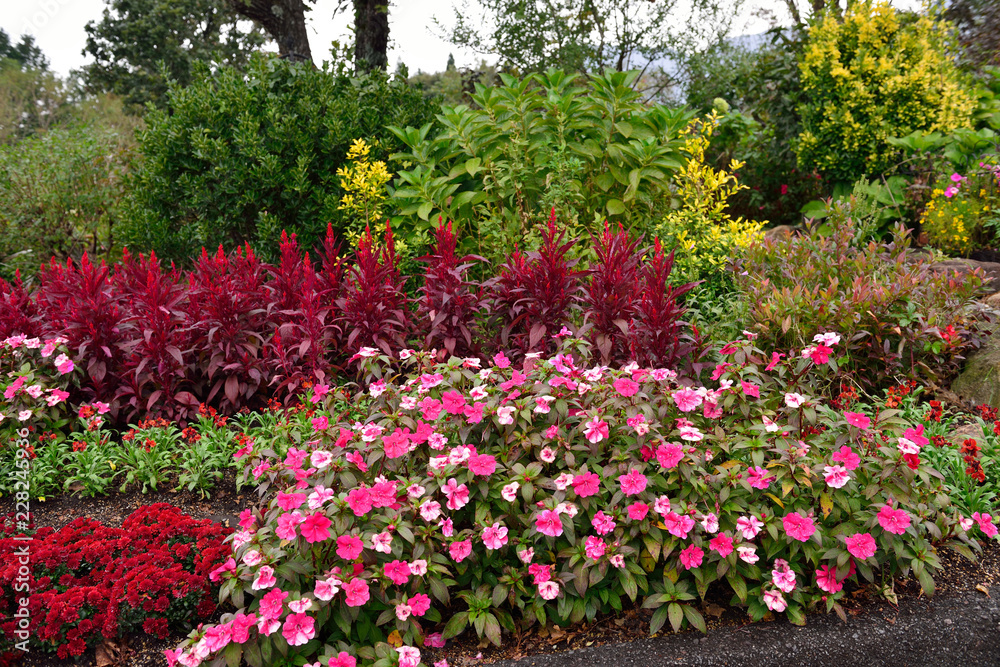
pixel 858 420
pixel 316 528
pixel 548 590
pixel 749 526
pixel 669 454
pixel 272 603
pixel 750 389
pixel 758 478
pixel 794 400
pixel 799 527
pixel 547 455
pixel 846 456
pixel 686 399
pixel 596 430
pixel 893 520
pixel 748 554
pixel 678 525
pixel 691 557
pixel 775 601
pixel 460 550
pixel 482 464
pixel 632 483
pixel 861 545
pixel 549 523
pixel 722 544
pixel 398 571
pixel 783 576
pixel 265 578
pixel 826 579
pixel 836 476
pixel 298 629
pixel 509 492
pixel 586 484
pixel 985 522
pixel 603 523
pixel 495 536
pixel 594 547
pixel 637 511
pixel 626 387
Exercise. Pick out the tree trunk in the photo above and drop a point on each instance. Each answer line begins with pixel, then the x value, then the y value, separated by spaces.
pixel 284 20
pixel 371 35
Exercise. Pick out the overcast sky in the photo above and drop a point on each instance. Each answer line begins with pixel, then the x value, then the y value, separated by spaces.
pixel 58 27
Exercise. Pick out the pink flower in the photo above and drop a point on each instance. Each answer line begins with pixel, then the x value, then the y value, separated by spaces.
pixel 548 523
pixel 783 576
pixel 893 521
pixel 586 484
pixel 430 408
pixel 603 523
pixel 691 557
pixel 454 402
pixel 360 501
pixel 826 579
pixel 847 456
pixel 349 547
pixel 748 554
pixel 749 526
pixel 633 483
pixel 320 423
pixel 678 525
pixel 750 389
pixel 985 522
pixel 710 522
pixel 594 547
pixel 397 444
pixel 420 604
pixel 241 626
pixel 290 501
pixel 794 400
pixel 548 590
pixel 435 640
pixel 382 542
pixel 758 478
pixel 398 571
pixel 626 387
pixel 460 550
pixel 799 527
pixel 836 476
pixel 505 414
pixel 501 360
pixel 325 589
pixel 287 523
pixel 916 435
pixel 316 528
pixel 482 464
pixel 458 494
pixel 474 413
pixel 596 430
pixel 669 454
pixel 271 604
pixel 298 629
pixel 687 399
pixel 861 545
pixel 509 492
pixel 637 511
pixel 639 423
pixel 775 601
pixel 820 354
pixel 721 544
pixel 64 364
pixel 495 536
pixel 343 659
pixel 356 592
pixel 858 420
pixel 775 358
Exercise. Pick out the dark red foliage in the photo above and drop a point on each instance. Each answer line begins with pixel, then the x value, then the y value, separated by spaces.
pixel 449 303
pixel 374 308
pixel 657 335
pixel 90 583
pixel 79 302
pixel 228 312
pixel 536 293
pixel 157 370
pixel 18 314
pixel 612 297
pixel 301 314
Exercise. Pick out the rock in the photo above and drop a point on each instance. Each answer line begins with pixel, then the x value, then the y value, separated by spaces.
pixel 979 381
pixel 993 301
pixel 780 231
pixel 991 270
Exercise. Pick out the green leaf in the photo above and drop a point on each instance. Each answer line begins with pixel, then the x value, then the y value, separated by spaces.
pixel 456 625
pixel 676 614
pixel 615 207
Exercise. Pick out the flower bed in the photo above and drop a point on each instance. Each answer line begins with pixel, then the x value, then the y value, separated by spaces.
pixel 506 495
pixel 91 583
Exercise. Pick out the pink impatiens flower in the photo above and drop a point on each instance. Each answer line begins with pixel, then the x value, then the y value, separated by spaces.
pixel 454 402
pixel 826 579
pixel 298 629
pixel 633 483
pixel 750 389
pixel 603 523
pixel 691 557
pixel 678 525
pixel 858 420
pixel 794 400
pixel 586 484
pixel 775 601
pixel 626 387
pixel 985 522
pixel 669 454
pixel 458 494
pixel 721 544
pixel 783 576
pixel 687 399
pixel 316 528
pixel 638 511
pixel 861 545
pixel 799 527
pixel 398 571
pixel 846 456
pixel 749 526
pixel 482 464
pixel 549 523
pixel 893 520
pixel 495 536
pixel 596 430
pixel 594 547
pixel 758 478
pixel 356 592
pixel 548 590
pixel 836 476
pixel 460 550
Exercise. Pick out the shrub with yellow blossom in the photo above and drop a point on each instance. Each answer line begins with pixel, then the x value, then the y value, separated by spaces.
pixel 960 216
pixel 876 74
pixel 705 235
pixel 363 181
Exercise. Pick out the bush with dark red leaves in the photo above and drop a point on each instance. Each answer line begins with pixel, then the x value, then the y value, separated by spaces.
pixel 90 583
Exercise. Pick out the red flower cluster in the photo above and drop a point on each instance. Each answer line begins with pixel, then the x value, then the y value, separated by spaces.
pixel 970 451
pixel 935 413
pixel 90 582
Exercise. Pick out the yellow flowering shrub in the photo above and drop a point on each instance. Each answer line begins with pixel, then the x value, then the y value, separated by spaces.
pixel 705 235
pixel 953 219
pixel 877 74
pixel 363 181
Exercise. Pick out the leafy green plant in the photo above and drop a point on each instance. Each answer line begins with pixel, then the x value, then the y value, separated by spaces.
pixel 146 455
pixel 587 147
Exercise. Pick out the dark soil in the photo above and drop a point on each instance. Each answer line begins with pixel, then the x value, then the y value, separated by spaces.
pixel 960 625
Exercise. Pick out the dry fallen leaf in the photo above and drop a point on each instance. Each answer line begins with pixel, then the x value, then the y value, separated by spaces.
pixel 107 654
pixel 983 589
pixel 715 610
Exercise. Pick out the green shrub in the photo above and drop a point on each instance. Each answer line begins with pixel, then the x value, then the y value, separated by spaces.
pixel 897 316
pixel 240 155
pixel 588 148
pixel 877 74
pixel 59 194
